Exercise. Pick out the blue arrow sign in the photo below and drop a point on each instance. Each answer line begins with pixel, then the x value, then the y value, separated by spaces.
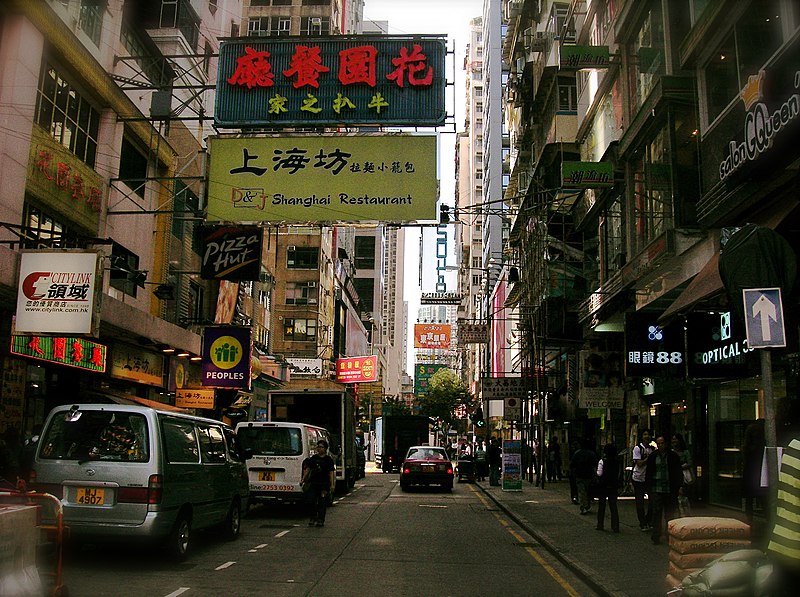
pixel 763 315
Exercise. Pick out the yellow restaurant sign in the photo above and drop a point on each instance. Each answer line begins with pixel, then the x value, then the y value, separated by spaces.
pixel 296 178
pixel 191 398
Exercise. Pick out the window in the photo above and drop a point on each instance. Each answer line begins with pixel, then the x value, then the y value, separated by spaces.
pixel 315 25
pixel 212 6
pixel 125 275
pixel 132 167
pixel 300 330
pixel 97 435
pixel 365 252
pixel 272 441
pixel 258 27
pixel 233 445
pixel 67 116
pixel 44 231
pixel 755 37
pixel 90 20
pixel 567 96
pixel 649 50
pixel 316 2
pixel 652 200
pixel 180 442
pixel 301 293
pixel 365 287
pixel 194 303
pixel 151 63
pixel 179 14
pixel 212 444
pixel 302 257
pixel 282 26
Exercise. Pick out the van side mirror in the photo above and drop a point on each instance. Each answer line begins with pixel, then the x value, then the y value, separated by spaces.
pixel 245 453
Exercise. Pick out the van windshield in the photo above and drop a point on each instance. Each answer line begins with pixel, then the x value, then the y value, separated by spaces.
pixel 97 435
pixel 276 441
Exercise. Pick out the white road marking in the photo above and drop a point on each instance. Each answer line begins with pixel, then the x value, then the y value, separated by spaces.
pixel 431 506
pixel 281 534
pixel 177 592
pixel 262 546
pixel 225 565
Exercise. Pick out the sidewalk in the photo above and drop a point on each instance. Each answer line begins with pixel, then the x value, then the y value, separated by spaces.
pixel 619 565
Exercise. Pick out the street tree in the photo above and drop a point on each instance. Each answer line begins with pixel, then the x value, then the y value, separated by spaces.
pixel 445 396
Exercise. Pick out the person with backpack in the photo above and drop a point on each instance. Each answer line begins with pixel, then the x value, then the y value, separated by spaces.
pixel 608 487
pixel 319 475
pixel 641 452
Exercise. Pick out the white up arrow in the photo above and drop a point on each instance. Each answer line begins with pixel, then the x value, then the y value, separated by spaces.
pixel 765 310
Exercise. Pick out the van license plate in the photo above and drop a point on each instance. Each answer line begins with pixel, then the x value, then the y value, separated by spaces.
pixel 91 496
pixel 266 476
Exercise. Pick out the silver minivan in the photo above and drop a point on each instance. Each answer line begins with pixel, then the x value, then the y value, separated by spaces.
pixel 136 472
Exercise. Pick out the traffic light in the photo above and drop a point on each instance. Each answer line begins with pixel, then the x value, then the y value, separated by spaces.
pixel 477 418
pixel 444 214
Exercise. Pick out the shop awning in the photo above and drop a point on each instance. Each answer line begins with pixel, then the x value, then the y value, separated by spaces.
pixel 704 284
pixel 128 399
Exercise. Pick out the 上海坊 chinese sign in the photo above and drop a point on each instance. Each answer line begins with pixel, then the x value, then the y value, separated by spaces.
pixel 323 178
pixel 331 81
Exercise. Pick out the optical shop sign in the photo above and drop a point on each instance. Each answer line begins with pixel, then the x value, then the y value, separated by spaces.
pixel 363 178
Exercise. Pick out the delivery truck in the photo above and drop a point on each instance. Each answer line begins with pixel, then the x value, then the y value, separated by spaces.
pixel 397 434
pixel 332 410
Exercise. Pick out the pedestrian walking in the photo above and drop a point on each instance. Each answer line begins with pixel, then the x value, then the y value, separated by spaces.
pixel 575 445
pixel 495 461
pixel 319 476
pixel 641 452
pixel 481 462
pixel 553 460
pixel 583 466
pixel 664 478
pixel 608 487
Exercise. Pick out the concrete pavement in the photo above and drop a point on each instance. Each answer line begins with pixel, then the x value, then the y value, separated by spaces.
pixel 614 564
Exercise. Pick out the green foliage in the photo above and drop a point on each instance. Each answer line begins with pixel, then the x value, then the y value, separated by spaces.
pixel 444 394
pixel 395 406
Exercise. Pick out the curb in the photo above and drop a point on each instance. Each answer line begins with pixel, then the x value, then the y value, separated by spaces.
pixel 586 574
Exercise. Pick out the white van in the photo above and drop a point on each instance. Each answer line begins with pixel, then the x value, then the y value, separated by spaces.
pixel 133 472
pixel 276 451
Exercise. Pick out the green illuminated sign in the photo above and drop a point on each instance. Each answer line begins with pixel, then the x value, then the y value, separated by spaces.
pixel 69 351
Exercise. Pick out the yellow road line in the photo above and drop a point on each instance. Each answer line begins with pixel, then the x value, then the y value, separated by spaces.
pixel 532 552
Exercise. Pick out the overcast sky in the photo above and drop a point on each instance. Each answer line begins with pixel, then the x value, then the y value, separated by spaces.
pixel 451 18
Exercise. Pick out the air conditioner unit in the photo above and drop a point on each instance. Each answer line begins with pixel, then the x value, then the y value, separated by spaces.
pixel 291 248
pixel 311 284
pixel 316 21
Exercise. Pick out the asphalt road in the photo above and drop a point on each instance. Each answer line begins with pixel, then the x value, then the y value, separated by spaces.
pixel 377 541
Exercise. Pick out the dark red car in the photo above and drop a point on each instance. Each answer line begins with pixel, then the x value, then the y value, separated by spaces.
pixel 426 465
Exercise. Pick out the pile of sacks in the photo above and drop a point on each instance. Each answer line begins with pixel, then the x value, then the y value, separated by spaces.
pixel 695 542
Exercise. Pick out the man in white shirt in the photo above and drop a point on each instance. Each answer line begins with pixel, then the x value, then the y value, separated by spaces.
pixel 641 453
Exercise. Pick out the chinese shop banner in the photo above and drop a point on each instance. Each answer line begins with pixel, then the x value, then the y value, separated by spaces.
pixel 301 178
pixel 69 351
pixel 357 369
pixel 431 335
pixel 331 81
pixel 231 252
pixel 56 292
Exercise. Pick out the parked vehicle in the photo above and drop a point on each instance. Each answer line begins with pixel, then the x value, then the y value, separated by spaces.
pixel 276 453
pixel 134 472
pixel 331 410
pixel 398 433
pixel 426 465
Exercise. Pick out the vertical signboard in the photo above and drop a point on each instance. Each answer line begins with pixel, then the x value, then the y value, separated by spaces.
pixel 226 357
pixel 512 465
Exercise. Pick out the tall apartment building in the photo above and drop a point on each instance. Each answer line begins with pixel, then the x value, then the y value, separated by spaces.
pixel 105 110
pixel 629 277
